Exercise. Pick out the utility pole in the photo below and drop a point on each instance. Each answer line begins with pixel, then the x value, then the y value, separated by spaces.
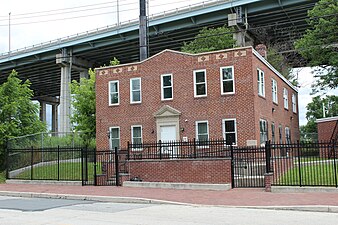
pixel 9 33
pixel 118 13
pixel 143 31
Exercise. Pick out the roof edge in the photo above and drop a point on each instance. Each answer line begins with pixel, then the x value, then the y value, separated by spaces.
pixel 327 119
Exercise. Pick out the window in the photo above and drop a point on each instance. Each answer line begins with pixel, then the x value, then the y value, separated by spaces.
pixel 273 132
pixel 135 90
pixel 230 131
pixel 294 104
pixel 200 83
pixel 114 134
pixel 166 86
pixel 285 97
pixel 227 80
pixel 261 85
pixel 202 131
pixel 114 97
pixel 274 91
pixel 263 130
pixel 280 134
pixel 287 135
pixel 136 134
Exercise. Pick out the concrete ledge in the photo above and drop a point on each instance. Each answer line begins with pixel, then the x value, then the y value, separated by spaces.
pixel 291 189
pixel 53 182
pixel 306 208
pixel 189 186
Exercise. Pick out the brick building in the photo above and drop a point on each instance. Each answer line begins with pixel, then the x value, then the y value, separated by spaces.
pixel 233 94
pixel 327 128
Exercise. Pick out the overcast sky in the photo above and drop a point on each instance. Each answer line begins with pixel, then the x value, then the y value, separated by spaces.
pixel 63 18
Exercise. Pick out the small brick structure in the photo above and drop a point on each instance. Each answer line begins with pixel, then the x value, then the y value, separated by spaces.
pixel 327 130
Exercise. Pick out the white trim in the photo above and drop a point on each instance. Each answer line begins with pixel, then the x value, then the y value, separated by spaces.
pixel 196 128
pixel 327 119
pixel 172 87
pixel 132 136
pixel 118 92
pixel 110 138
pixel 294 103
pixel 221 80
pixel 205 82
pixel 235 125
pixel 131 90
pixel 274 92
pixel 260 82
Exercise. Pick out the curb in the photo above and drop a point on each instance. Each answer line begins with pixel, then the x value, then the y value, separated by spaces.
pixel 136 200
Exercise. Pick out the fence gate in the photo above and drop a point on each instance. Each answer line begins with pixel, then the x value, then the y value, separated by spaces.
pixel 248 166
pixel 101 168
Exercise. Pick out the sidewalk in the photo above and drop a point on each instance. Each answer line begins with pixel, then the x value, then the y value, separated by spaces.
pixel 234 198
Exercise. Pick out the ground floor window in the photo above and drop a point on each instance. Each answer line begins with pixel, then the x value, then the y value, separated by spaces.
pixel 263 130
pixel 136 134
pixel 202 132
pixel 230 131
pixel 114 134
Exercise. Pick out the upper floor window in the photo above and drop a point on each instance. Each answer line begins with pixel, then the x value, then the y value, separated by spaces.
pixel 202 132
pixel 135 90
pixel 200 83
pixel 230 131
pixel 263 130
pixel 294 104
pixel 274 91
pixel 286 98
pixel 227 80
pixel 261 83
pixel 166 86
pixel 114 137
pixel 136 134
pixel 114 97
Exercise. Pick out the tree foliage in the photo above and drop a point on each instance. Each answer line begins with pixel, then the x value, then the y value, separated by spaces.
pixel 315 109
pixel 18 114
pixel 279 63
pixel 319 45
pixel 210 39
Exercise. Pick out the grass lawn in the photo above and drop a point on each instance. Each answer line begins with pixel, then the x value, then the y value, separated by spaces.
pixel 312 175
pixel 2 177
pixel 68 171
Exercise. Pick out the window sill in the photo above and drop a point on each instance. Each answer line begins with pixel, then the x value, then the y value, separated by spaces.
pixel 228 94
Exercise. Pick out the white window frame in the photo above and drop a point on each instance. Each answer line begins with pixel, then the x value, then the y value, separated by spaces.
pixel 110 137
pixel 196 125
pixel 294 103
pixel 132 136
pixel 286 98
pixel 226 80
pixel 205 83
pixel 261 82
pixel 118 92
pixel 274 91
pixel 225 132
pixel 266 132
pixel 162 87
pixel 137 90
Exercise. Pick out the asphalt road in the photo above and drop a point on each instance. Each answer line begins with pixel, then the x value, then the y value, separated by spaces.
pixel 38 211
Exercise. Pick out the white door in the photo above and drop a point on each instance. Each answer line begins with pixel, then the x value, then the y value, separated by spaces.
pixel 168 134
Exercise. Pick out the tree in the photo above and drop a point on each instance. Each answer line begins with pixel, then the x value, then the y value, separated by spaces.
pixel 317 108
pixel 18 114
pixel 84 105
pixel 319 45
pixel 210 39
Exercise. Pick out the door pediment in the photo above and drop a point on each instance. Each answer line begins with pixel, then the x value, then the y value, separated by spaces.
pixel 167 111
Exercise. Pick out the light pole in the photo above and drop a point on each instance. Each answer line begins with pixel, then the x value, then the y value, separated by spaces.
pixel 9 33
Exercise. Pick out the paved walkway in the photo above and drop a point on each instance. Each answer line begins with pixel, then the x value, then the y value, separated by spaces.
pixel 235 197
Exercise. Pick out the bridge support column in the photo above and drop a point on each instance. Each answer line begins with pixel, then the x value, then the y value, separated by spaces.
pixel 65 99
pixel 43 111
pixel 55 121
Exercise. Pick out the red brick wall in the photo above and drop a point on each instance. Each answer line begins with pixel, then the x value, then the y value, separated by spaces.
pixel 212 108
pixel 325 129
pixel 212 171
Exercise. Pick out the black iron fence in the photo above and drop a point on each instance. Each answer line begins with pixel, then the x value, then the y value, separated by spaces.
pixel 179 149
pixel 304 164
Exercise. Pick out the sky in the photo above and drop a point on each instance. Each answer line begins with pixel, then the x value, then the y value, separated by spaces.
pixel 37 21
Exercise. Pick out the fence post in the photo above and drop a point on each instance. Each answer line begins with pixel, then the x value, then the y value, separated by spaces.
pixel 58 162
pixel 117 172
pixel 82 169
pixel 32 162
pixel 268 156
pixel 128 151
pixel 7 157
pixel 300 172
pixel 195 154
pixel 159 142
pixel 95 181
pixel 232 166
pixel 334 162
